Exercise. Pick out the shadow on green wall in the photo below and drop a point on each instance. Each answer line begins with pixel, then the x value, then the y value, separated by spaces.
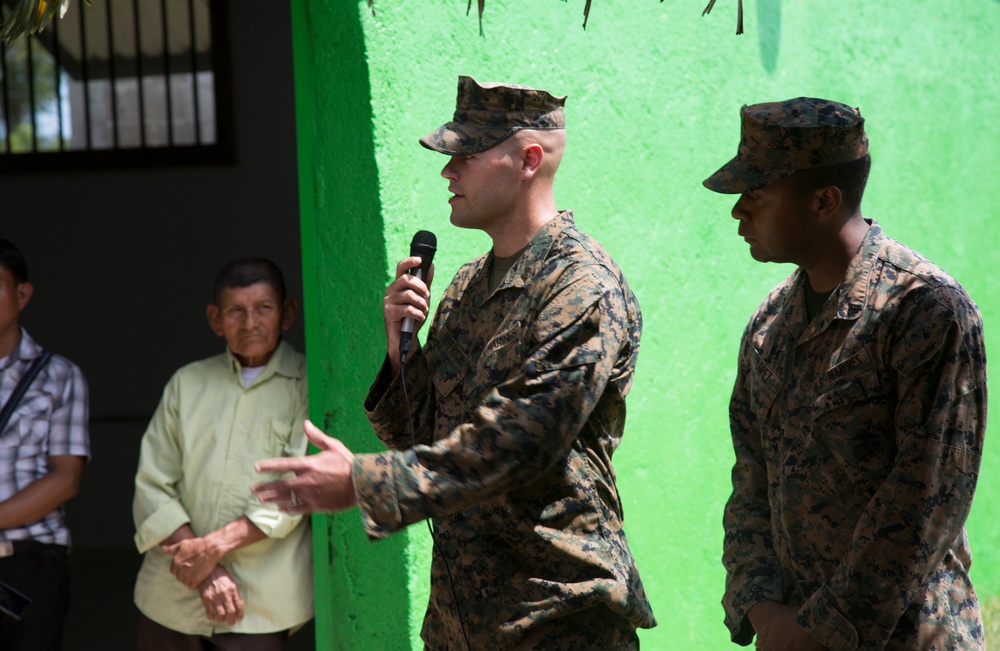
pixel 769 30
pixel 340 214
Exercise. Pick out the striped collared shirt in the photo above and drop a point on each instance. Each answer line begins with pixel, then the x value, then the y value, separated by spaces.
pixel 51 420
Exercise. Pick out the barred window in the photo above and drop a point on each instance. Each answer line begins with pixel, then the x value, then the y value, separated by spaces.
pixel 118 83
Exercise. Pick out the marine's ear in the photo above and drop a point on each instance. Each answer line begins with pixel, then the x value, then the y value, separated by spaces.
pixel 532 156
pixel 827 200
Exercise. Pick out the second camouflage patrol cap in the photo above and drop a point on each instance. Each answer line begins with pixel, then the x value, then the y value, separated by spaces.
pixel 486 114
pixel 779 138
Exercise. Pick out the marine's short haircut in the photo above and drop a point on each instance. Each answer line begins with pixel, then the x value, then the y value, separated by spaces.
pixel 12 260
pixel 851 178
pixel 246 272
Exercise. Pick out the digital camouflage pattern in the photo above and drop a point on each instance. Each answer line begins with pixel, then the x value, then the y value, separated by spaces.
pixel 779 138
pixel 858 441
pixel 486 114
pixel 519 404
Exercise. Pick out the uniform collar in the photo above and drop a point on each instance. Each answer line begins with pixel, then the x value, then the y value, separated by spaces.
pixel 534 255
pixel 850 296
pixel 853 291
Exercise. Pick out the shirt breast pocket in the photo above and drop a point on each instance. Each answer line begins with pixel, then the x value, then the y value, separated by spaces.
pixel 852 426
pixel 502 356
pixel 849 395
pixel 277 434
pixel 764 386
pixel 447 363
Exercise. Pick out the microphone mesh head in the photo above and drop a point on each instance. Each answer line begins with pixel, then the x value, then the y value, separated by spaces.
pixel 424 238
pixel 424 245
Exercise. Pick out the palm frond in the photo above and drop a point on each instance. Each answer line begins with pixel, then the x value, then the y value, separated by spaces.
pixel 30 17
pixel 482 5
pixel 586 13
pixel 739 14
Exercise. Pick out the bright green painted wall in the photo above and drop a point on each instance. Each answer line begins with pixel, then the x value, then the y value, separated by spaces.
pixel 343 258
pixel 654 92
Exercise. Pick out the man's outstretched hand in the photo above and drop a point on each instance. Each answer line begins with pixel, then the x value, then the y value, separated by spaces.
pixel 322 481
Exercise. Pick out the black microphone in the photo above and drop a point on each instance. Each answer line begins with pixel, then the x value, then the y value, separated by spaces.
pixel 424 245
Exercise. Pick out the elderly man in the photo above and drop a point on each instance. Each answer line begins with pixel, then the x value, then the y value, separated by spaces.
pixel 518 401
pixel 858 413
pixel 221 570
pixel 44 443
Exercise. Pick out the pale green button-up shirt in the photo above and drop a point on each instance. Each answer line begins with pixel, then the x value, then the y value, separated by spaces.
pixel 196 466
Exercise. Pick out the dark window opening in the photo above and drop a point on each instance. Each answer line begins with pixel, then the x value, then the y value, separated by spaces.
pixel 118 83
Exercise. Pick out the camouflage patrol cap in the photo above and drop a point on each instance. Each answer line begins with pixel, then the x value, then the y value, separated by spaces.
pixel 486 114
pixel 779 138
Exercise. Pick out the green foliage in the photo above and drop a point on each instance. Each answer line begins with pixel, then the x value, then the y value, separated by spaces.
pixel 20 138
pixel 29 17
pixel 18 118
pixel 20 141
pixel 43 66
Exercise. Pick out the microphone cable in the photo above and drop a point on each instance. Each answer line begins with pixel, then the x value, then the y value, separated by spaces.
pixel 430 526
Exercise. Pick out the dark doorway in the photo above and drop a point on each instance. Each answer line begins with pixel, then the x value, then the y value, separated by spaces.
pixel 122 261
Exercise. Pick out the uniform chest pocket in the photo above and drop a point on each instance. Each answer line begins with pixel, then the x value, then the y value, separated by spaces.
pixel 502 356
pixel 854 391
pixel 763 384
pixel 447 363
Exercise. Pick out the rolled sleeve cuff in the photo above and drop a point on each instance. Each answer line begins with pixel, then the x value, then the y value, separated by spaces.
pixel 375 490
pixel 823 620
pixel 71 449
pixel 766 587
pixel 160 525
pixel 376 392
pixel 273 522
pixel 384 403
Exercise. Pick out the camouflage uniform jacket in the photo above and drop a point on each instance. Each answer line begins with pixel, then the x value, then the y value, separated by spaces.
pixel 858 441
pixel 518 402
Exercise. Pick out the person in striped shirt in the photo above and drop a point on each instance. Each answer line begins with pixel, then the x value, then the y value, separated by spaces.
pixel 44 444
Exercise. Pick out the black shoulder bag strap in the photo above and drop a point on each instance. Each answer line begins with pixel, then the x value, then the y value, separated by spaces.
pixel 22 388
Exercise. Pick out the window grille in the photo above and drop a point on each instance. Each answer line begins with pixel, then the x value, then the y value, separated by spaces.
pixel 118 83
